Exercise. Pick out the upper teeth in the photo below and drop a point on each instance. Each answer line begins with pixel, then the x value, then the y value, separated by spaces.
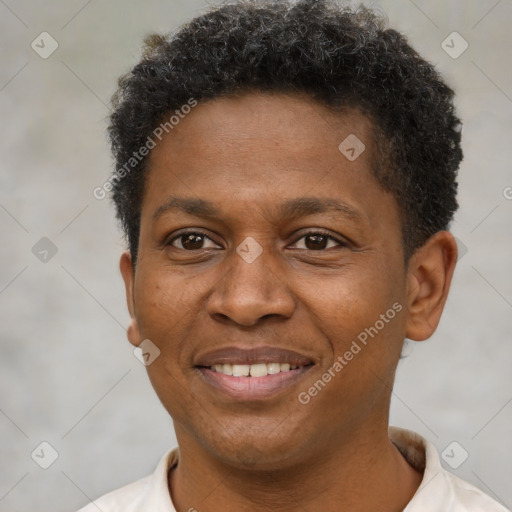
pixel 254 370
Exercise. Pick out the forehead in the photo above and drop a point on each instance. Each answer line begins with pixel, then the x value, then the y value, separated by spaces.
pixel 267 133
pixel 296 118
pixel 259 148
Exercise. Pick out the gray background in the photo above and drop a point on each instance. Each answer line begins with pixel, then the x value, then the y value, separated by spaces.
pixel 67 374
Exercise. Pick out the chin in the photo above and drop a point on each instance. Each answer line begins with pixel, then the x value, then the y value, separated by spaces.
pixel 253 449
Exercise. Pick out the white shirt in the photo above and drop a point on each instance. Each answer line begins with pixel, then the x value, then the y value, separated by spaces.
pixel 440 491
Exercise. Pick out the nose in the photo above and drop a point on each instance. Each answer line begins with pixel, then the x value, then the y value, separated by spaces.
pixel 250 291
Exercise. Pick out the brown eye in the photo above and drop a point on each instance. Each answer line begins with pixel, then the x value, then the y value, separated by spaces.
pixel 317 241
pixel 192 241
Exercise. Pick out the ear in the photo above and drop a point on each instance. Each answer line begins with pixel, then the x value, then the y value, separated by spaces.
pixel 128 273
pixel 429 276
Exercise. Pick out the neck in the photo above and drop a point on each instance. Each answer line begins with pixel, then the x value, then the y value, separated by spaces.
pixel 364 472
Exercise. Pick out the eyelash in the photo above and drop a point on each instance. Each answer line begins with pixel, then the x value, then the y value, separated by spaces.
pixel 203 233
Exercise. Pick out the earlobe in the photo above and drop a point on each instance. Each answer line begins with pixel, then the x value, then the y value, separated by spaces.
pixel 133 332
pixel 127 271
pixel 429 277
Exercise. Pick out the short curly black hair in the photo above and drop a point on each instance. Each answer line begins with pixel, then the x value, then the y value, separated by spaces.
pixel 341 57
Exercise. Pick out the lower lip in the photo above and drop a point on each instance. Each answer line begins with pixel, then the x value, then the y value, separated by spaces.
pixel 253 388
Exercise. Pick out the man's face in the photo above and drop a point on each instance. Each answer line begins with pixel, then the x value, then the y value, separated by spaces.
pixel 270 276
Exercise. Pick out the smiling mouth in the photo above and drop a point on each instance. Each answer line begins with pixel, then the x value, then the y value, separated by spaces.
pixel 254 370
pixel 256 373
pixel 249 382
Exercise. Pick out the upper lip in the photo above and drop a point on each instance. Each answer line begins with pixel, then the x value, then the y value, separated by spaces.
pixel 236 355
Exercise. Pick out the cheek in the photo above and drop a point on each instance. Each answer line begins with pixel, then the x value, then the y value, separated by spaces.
pixel 364 305
pixel 169 309
pixel 159 305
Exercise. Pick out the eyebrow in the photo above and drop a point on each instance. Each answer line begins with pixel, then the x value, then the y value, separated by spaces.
pixel 292 208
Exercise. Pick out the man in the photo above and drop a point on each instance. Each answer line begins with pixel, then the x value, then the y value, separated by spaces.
pixel 285 175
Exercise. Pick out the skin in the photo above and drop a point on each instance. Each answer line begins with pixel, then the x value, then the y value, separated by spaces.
pixel 247 155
